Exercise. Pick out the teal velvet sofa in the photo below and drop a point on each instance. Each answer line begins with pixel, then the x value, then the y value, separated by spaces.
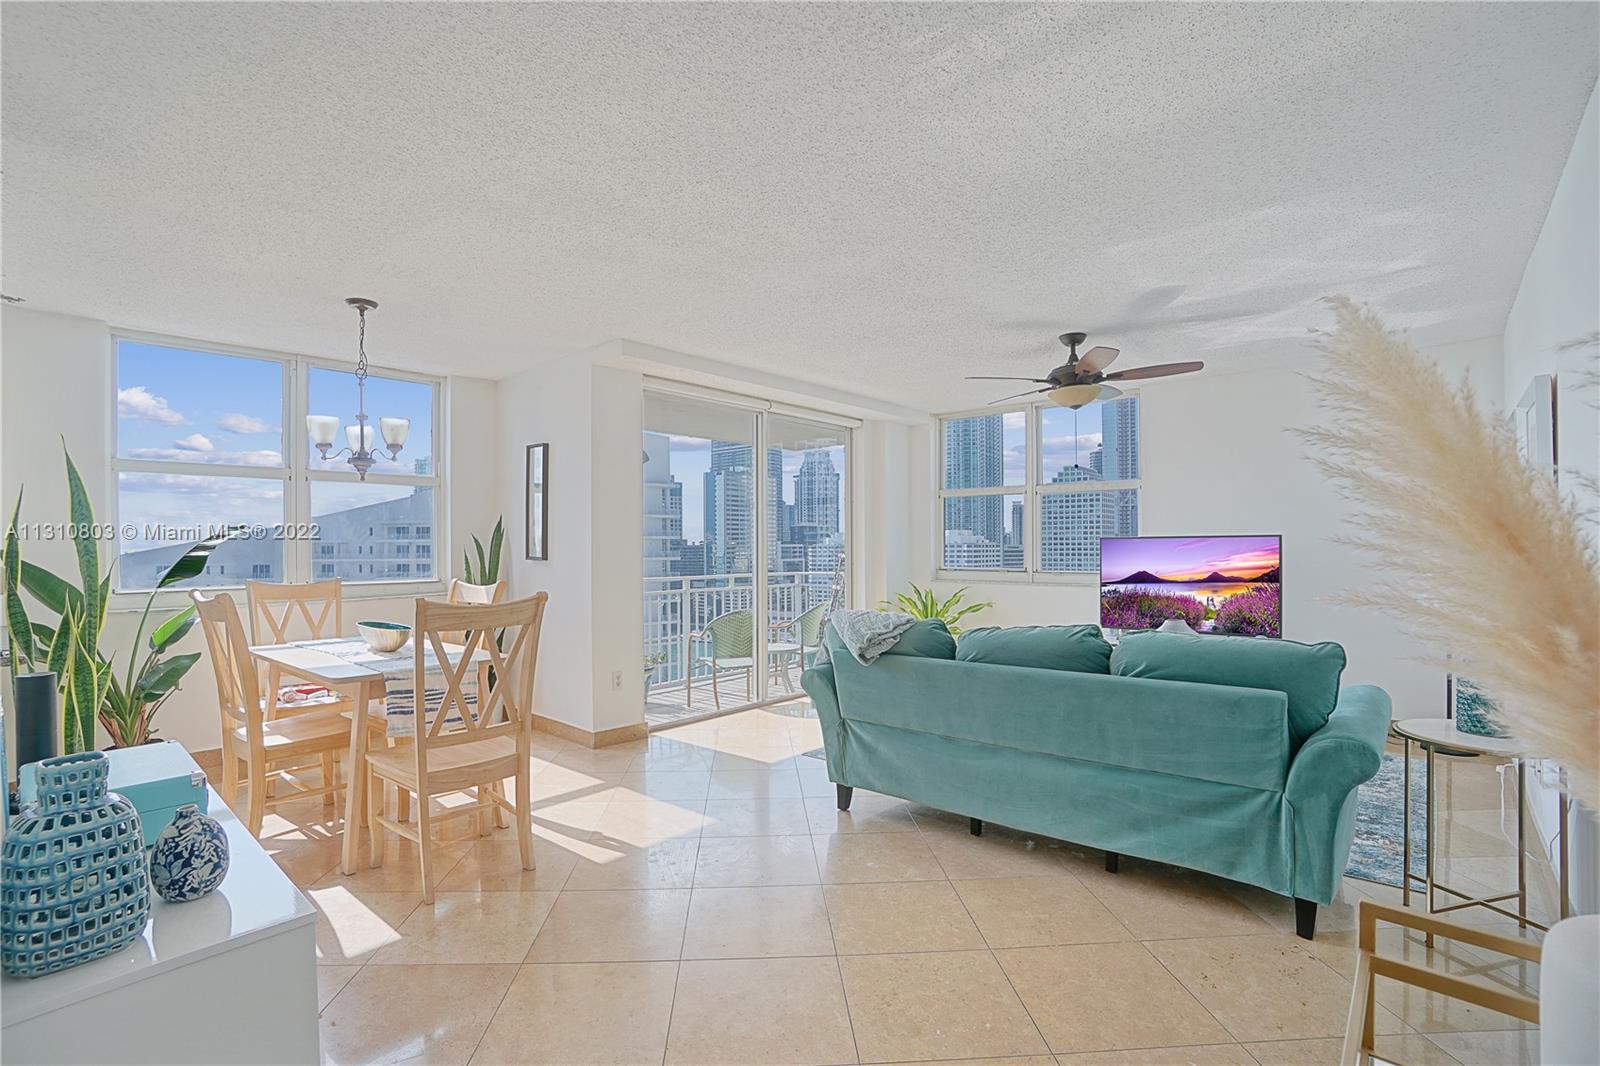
pixel 1253 780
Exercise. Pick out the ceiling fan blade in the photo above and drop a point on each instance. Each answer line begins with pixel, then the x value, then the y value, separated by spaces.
pixel 1018 396
pixel 981 377
pixel 1164 370
pixel 1097 359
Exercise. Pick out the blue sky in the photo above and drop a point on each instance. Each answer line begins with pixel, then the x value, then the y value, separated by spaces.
pixel 1066 439
pixel 200 407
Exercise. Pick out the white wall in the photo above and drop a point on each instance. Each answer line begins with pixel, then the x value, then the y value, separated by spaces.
pixel 593 630
pixel 1219 457
pixel 55 377
pixel 1559 303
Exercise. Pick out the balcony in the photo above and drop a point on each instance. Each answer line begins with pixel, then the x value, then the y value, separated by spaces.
pixel 679 673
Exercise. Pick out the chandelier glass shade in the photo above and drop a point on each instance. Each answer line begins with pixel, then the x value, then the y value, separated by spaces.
pixel 359 452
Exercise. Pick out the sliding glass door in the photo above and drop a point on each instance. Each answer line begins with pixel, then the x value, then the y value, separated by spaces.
pixel 743 556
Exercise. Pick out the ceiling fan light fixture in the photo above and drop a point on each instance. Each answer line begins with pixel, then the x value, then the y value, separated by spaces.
pixel 1075 396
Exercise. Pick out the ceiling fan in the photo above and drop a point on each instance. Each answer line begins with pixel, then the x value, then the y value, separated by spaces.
pixel 1081 381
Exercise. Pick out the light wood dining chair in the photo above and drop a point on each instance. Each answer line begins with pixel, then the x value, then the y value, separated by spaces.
pixel 271 752
pixel 466 592
pixel 280 612
pixel 466 743
pixel 277 607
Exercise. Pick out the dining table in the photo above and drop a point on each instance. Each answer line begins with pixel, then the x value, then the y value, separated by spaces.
pixel 376 683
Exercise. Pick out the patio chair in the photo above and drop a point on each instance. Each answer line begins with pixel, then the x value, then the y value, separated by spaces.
pixel 730 640
pixel 807 630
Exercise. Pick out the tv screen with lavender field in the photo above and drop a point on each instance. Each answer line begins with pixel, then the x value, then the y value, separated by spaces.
pixel 1216 584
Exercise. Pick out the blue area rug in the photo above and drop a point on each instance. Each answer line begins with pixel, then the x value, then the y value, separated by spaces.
pixel 1375 851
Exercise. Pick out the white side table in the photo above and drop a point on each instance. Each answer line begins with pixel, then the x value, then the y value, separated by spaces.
pixel 229 978
pixel 1440 734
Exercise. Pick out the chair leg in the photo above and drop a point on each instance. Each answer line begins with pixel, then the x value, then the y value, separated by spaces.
pixel 525 817
pixel 716 697
pixel 230 778
pixel 258 794
pixel 377 795
pixel 502 818
pixel 424 845
pixel 328 778
pixel 485 794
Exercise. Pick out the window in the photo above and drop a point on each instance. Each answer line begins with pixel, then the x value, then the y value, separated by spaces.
pixel 1032 490
pixel 208 439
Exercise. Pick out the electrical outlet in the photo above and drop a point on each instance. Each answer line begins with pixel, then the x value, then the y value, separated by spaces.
pixel 616 680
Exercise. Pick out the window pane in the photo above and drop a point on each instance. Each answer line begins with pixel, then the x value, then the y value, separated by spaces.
pixel 985 451
pixel 198 407
pixel 807 512
pixel 368 532
pixel 161 515
pixel 984 532
pixel 1072 523
pixel 1102 438
pixel 333 392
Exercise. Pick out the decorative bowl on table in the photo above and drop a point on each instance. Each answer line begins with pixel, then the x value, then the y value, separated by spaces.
pixel 384 636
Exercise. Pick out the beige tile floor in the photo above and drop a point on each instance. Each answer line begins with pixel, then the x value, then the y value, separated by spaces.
pixel 698 899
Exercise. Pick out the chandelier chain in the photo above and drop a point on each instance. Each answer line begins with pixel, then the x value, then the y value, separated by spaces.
pixel 361 346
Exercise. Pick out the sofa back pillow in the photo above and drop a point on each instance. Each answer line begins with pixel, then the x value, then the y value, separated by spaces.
pixel 928 638
pixel 1308 674
pixel 1078 648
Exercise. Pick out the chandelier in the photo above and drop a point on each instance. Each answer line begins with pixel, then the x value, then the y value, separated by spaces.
pixel 324 428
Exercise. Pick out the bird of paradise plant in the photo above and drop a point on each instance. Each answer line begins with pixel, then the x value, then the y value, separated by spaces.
pixel 90 689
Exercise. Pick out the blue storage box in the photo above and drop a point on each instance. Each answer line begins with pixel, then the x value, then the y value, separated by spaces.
pixel 156 778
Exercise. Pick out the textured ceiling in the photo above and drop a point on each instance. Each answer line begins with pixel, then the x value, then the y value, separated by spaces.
pixel 880 198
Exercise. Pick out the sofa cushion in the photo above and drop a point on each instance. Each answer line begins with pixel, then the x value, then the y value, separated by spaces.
pixel 1078 648
pixel 1308 674
pixel 928 639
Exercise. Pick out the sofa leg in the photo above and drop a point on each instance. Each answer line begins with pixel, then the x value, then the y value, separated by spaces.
pixel 1112 860
pixel 1305 918
pixel 844 792
pixel 975 826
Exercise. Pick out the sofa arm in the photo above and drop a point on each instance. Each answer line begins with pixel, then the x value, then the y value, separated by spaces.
pixel 818 683
pixel 1346 752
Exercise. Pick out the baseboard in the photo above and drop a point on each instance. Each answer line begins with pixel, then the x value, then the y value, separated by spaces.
pixel 604 738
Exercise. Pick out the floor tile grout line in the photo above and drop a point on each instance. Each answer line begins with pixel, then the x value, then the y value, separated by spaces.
pixel 1190 992
pixel 1021 1002
pixel 833 940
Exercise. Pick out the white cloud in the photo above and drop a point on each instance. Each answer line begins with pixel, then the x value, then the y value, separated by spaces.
pixel 140 402
pixel 237 423
pixel 182 454
pixel 196 442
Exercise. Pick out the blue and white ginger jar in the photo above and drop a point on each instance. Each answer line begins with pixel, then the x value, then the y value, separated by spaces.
pixel 190 857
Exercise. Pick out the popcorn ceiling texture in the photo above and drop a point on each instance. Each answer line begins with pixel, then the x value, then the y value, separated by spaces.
pixel 876 197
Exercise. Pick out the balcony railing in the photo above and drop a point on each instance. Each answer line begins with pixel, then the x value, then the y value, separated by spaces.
pixel 675 607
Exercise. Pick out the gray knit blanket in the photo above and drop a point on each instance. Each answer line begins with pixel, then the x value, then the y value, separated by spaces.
pixel 868 634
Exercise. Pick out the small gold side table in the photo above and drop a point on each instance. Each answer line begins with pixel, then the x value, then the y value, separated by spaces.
pixel 1440 735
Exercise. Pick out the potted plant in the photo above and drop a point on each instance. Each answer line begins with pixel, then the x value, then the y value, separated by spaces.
pixel 69 647
pixel 650 664
pixel 922 603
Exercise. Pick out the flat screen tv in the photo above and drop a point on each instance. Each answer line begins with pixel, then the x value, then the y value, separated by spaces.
pixel 1216 584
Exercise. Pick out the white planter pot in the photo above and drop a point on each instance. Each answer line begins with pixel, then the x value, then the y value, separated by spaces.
pixel 1569 992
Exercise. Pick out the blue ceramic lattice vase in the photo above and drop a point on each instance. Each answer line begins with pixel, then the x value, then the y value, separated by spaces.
pixel 73 885
pixel 190 857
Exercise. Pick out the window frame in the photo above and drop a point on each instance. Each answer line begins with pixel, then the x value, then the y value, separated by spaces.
pixel 1033 490
pixel 296 475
